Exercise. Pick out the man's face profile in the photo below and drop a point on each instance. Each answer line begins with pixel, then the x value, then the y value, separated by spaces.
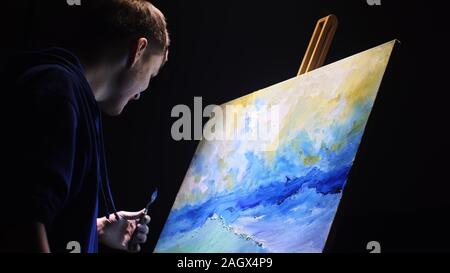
pixel 131 80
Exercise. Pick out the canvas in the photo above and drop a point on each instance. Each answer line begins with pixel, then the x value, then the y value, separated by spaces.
pixel 279 195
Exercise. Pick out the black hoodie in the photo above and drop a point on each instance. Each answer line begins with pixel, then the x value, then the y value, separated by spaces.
pixel 53 148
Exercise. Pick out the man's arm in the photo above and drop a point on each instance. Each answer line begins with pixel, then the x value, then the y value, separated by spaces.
pixel 32 238
pixel 35 184
pixel 42 245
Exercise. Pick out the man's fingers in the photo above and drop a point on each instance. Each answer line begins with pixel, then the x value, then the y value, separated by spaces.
pixel 134 245
pixel 135 248
pixel 147 219
pixel 127 215
pixel 140 238
pixel 142 229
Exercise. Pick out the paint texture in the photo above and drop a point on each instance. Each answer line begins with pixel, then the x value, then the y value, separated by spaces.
pixel 238 196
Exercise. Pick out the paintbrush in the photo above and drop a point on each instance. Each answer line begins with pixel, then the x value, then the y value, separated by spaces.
pixel 132 246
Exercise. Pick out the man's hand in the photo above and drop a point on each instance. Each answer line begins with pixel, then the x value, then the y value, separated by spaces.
pixel 118 233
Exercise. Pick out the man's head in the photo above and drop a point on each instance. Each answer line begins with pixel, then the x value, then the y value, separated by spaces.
pixel 126 46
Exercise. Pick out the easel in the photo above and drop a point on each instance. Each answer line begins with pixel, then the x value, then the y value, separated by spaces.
pixel 319 44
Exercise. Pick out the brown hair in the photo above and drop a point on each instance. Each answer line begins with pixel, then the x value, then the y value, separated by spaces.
pixel 109 26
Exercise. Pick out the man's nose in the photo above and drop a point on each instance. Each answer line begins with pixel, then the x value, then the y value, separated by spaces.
pixel 137 96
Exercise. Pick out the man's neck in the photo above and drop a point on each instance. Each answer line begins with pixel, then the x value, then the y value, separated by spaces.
pixel 99 79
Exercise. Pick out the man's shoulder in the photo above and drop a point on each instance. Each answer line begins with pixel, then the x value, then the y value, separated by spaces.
pixel 48 77
pixel 50 81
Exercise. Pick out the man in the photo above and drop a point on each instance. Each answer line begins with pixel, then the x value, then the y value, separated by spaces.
pixel 55 172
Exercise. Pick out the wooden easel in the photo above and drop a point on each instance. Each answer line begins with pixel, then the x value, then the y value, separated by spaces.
pixel 319 44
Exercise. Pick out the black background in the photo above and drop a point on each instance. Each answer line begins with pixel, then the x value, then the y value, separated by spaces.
pixel 398 189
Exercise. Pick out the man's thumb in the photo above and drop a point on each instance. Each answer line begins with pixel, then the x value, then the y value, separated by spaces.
pixel 128 215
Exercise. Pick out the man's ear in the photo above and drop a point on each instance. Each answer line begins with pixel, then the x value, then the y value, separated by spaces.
pixel 137 51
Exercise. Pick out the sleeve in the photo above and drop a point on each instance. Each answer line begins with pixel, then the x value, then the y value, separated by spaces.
pixel 43 158
pixel 50 154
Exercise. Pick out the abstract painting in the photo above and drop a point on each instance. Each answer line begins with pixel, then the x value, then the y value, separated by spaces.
pixel 241 197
